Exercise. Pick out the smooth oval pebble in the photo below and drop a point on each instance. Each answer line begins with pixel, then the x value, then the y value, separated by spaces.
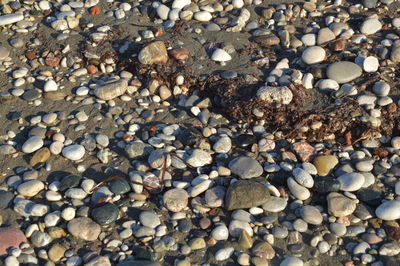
pixel 303 178
pixel 73 152
pixel 297 190
pixel 311 215
pixel 32 144
pixel 220 55
pixel 389 210
pixel 313 55
pixel 343 71
pixel 351 181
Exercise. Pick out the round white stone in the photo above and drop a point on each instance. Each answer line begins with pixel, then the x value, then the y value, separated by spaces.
pixel 30 188
pixel 220 55
pixel 313 55
pixel 370 64
pixel 389 210
pixel 162 11
pixel 202 16
pixel 297 190
pixel 179 4
pixel 303 178
pixel 351 181
pixel 224 253
pixel 73 152
pixel 220 232
pixel 371 26
pixel 381 88
pixel 291 261
pixel 32 144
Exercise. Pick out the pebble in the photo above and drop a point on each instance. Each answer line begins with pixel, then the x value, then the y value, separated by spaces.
pixel 154 53
pixel 291 261
pixel 106 214
pixel 351 181
pixel 33 144
pixel 297 190
pixel 370 26
pixel 220 55
pixel 224 253
pixel 149 219
pixel 10 237
pixel 10 18
pixel 175 199
pixel 202 16
pixel 30 188
pixel 388 210
pixel 245 167
pixel 325 164
pixel 313 55
pixel 303 178
pixel 73 152
pixel 84 228
pixel 50 85
pixel 339 205
pixel 381 88
pixel 311 215
pixel 237 196
pixel 343 71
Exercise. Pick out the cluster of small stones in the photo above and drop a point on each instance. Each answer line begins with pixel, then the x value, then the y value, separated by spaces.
pixel 242 189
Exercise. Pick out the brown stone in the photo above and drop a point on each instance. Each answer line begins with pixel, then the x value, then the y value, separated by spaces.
pixel 245 240
pixel 340 205
pixel 56 232
pixel 154 53
pixel 30 55
pixel 10 237
pixel 54 95
pixel 180 53
pixel 325 164
pixel 56 252
pixel 264 250
pixel 267 41
pixel 91 69
pixel 52 61
pixel 339 45
pixel 393 232
pixel 40 156
pixel 304 151
pixel 238 196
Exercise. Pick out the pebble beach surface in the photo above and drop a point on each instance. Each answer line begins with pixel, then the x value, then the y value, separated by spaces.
pixel 199 132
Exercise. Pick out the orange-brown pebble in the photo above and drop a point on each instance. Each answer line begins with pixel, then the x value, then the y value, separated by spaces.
pixel 91 69
pixel 95 10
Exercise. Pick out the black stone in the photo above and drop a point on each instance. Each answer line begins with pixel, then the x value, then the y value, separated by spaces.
pixel 378 170
pixel 13 115
pixel 325 185
pixel 185 226
pixel 229 74
pixel 5 198
pixel 120 186
pixel 369 196
pixel 31 95
pixel 69 181
pixel 296 248
pixel 364 212
pixel 269 219
pixel 278 178
pixel 106 214
pixel 244 140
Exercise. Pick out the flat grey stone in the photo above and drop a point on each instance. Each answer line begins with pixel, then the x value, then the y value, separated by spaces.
pixel 344 71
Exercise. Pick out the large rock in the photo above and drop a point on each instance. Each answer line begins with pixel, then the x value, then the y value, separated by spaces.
pixel 84 228
pixel 10 237
pixel 111 90
pixel 154 53
pixel 245 194
pixel 343 72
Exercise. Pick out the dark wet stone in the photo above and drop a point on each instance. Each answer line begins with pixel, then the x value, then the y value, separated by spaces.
pixel 120 186
pixel 330 238
pixel 179 114
pixel 370 196
pixel 297 248
pixel 229 74
pixel 325 185
pixel 13 116
pixel 244 140
pixel 5 198
pixel 187 138
pixel 31 95
pixel 389 261
pixel 147 115
pixel 238 196
pixel 185 226
pixel 364 212
pixel 69 181
pixel 105 214
pixel 278 178
pixel 378 170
